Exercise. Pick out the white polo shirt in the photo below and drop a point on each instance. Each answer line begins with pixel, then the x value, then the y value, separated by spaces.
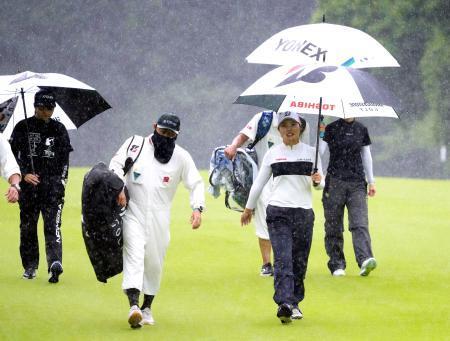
pixel 291 168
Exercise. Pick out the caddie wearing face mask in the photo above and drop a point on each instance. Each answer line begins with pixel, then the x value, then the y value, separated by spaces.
pixel 151 182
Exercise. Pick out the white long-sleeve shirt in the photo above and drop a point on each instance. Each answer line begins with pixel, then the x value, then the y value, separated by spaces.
pixel 8 163
pixel 151 184
pixel 291 167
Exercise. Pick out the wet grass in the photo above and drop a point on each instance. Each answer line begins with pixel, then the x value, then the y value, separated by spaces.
pixel 211 289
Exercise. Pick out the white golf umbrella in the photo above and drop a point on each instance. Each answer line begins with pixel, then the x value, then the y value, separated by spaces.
pixel 345 92
pixel 335 44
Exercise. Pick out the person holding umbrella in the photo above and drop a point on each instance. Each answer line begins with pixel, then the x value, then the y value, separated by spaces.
pixel 290 217
pixel 349 167
pixel 151 182
pixel 41 146
pixel 10 170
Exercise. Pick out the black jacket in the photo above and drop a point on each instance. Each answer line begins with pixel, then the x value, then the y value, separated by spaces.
pixel 50 147
pixel 345 141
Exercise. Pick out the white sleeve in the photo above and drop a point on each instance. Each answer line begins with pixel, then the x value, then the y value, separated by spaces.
pixel 305 138
pixel 367 164
pixel 319 170
pixel 118 160
pixel 8 163
pixel 264 174
pixel 251 127
pixel 193 182
pixel 323 147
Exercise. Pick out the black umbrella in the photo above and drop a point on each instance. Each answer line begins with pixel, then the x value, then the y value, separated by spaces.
pixel 76 102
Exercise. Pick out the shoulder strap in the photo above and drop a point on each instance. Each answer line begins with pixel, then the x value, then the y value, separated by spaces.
pixel 227 203
pixel 133 152
pixel 263 128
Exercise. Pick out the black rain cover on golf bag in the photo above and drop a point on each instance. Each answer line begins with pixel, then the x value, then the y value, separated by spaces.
pixel 102 221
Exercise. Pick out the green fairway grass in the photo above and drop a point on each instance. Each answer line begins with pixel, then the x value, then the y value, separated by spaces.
pixel 211 288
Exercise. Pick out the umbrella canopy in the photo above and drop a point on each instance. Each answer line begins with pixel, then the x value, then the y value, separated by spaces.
pixel 76 102
pixel 337 44
pixel 346 92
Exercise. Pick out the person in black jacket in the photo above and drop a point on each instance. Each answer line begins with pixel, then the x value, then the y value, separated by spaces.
pixel 348 182
pixel 44 175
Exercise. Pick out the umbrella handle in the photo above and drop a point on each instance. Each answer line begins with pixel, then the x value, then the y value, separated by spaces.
pixel 28 131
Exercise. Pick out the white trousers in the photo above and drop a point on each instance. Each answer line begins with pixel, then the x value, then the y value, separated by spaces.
pixel 260 213
pixel 144 248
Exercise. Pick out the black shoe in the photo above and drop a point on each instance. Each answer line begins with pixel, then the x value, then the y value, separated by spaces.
pixel 284 313
pixel 29 273
pixel 55 270
pixel 266 270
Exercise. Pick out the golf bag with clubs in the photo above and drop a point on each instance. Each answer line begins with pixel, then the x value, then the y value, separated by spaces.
pixel 102 215
pixel 235 176
pixel 102 221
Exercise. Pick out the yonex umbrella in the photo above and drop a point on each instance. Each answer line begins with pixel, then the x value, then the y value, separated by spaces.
pixel 335 44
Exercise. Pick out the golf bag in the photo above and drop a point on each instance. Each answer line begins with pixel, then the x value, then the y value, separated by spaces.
pixel 102 216
pixel 235 177
pixel 102 221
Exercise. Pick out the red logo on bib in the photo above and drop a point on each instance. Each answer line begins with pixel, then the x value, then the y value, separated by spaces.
pixel 166 179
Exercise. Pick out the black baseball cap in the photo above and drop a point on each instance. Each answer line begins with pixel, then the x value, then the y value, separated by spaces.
pixel 169 121
pixel 44 98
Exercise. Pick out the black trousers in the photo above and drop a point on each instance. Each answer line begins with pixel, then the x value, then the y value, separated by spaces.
pixel 337 195
pixel 47 199
pixel 290 231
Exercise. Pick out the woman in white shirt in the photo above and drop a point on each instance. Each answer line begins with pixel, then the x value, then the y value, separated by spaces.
pixel 290 216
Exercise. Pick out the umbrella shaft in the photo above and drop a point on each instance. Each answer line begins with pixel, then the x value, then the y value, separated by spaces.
pixel 318 134
pixel 28 131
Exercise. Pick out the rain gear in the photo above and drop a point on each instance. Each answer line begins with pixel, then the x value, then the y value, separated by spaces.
pixel 49 146
pixel 152 186
pixel 235 176
pixel 102 221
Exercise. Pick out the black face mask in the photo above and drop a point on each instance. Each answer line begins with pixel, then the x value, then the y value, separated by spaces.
pixel 164 147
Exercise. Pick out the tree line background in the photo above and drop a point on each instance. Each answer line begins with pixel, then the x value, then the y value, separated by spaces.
pixel 188 57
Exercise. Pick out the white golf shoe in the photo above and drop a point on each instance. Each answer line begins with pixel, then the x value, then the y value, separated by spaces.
pixel 367 266
pixel 296 313
pixel 147 317
pixel 339 273
pixel 135 317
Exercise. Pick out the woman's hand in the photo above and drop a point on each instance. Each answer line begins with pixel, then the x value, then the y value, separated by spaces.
pixel 316 178
pixel 246 216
